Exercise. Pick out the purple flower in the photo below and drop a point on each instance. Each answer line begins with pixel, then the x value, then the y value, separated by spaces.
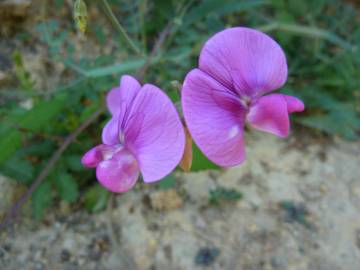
pixel 236 68
pixel 144 135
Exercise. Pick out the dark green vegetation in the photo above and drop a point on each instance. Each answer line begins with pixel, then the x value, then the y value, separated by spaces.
pixel 206 256
pixel 295 212
pixel 321 40
pixel 219 194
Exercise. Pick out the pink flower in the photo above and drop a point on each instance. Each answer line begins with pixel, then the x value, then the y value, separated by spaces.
pixel 144 135
pixel 236 68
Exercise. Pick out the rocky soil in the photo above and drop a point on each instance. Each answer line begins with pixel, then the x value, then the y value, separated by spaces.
pixel 300 211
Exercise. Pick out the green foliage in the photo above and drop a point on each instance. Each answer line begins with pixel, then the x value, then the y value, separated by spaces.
pixel 95 198
pixel 167 182
pixel 330 115
pixel 41 199
pixel 295 212
pixel 218 8
pixel 34 120
pixel 73 163
pixel 10 141
pixel 66 186
pixel 200 161
pixel 121 68
pixel 206 256
pixel 219 194
pixel 21 73
pixel 18 168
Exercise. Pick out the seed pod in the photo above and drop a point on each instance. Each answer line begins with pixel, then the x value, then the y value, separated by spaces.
pixel 80 15
pixel 187 158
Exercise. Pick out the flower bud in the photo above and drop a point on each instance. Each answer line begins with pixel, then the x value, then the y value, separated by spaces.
pixel 80 15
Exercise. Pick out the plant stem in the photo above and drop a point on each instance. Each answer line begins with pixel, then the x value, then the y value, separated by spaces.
pixel 119 27
pixel 142 13
pixel 308 31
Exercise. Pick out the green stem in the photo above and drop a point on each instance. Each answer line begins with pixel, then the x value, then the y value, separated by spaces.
pixel 308 31
pixel 142 12
pixel 119 27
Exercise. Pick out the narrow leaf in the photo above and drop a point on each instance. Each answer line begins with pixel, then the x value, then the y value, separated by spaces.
pixel 67 187
pixel 41 199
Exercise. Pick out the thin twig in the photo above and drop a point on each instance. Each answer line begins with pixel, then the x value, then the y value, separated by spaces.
pixel 14 210
pixel 16 94
pixel 165 33
pixel 142 13
pixel 155 50
pixel 119 27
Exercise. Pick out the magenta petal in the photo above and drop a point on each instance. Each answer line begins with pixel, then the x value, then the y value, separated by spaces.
pixel 113 101
pixel 215 118
pixel 270 114
pixel 110 133
pixel 294 104
pixel 154 133
pixel 97 154
pixel 119 101
pixel 245 60
pixel 120 173
pixel 125 93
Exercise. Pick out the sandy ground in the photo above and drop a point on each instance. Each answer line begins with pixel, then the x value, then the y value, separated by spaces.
pixel 300 210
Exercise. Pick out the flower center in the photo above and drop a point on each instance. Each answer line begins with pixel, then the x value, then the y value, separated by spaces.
pixel 122 136
pixel 109 152
pixel 245 101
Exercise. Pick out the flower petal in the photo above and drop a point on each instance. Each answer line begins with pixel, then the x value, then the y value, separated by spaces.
pixel 271 113
pixel 154 133
pixel 120 173
pixel 244 60
pixel 215 118
pixel 119 102
pixel 294 104
pixel 97 154
pixel 110 133
pixel 126 92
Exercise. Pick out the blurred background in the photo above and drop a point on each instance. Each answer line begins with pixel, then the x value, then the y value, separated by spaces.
pixel 294 203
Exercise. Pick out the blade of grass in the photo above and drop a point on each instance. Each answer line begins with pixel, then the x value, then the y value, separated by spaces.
pixel 119 28
pixel 142 14
pixel 310 32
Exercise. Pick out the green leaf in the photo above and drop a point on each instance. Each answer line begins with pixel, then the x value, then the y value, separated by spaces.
pixel 96 198
pixel 89 110
pixel 73 162
pixel 19 169
pixel 35 120
pixel 200 162
pixel 224 194
pixel 67 187
pixel 125 66
pixel 295 212
pixel 329 124
pixel 41 199
pixel 39 116
pixel 167 182
pixel 220 8
pixel 304 30
pixel 10 142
